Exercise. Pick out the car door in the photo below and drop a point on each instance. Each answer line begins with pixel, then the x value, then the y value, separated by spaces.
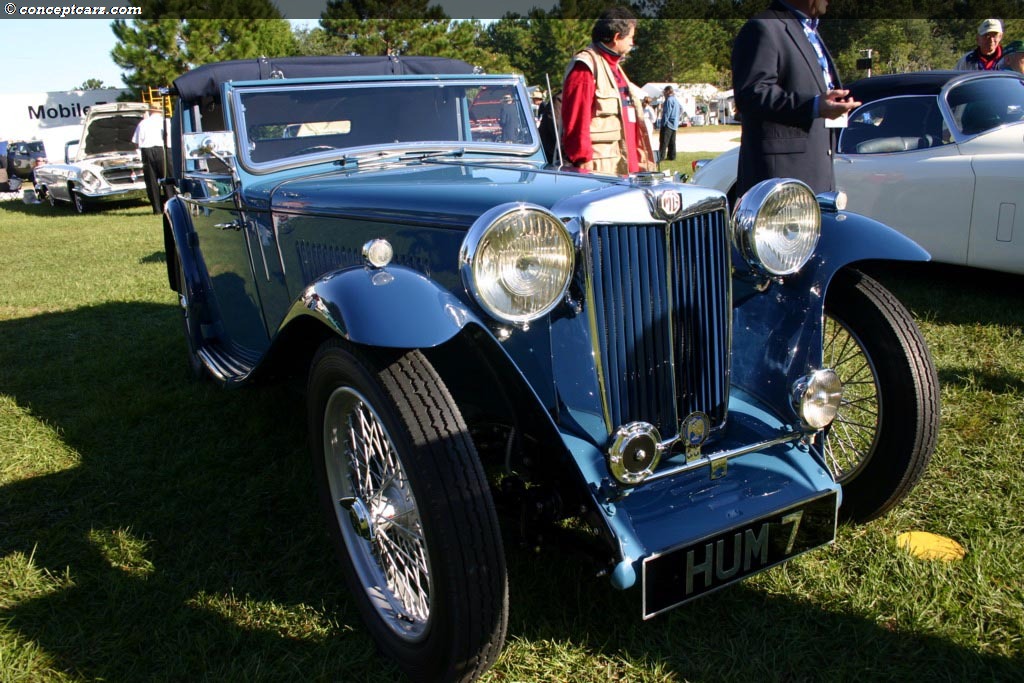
pixel 899 164
pixel 997 218
pixel 224 232
pixel 988 113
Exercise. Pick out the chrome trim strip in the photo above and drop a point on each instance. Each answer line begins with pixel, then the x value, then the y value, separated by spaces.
pixel 595 346
pixel 708 459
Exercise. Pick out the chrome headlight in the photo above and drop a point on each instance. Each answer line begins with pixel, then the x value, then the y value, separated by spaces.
pixel 90 179
pixel 776 225
pixel 517 261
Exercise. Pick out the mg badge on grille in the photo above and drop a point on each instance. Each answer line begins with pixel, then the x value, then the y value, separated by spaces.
pixel 670 203
pixel 695 431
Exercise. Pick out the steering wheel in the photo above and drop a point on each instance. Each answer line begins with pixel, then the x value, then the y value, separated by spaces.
pixel 310 150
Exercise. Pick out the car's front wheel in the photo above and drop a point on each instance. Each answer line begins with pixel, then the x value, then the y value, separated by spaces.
pixel 409 511
pixel 81 206
pixel 886 429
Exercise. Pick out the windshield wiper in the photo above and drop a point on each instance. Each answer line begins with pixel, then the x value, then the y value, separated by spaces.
pixel 383 158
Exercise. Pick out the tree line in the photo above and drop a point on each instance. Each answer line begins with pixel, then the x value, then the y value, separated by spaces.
pixel 680 41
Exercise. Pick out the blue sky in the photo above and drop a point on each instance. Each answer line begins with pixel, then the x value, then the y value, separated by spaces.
pixel 44 55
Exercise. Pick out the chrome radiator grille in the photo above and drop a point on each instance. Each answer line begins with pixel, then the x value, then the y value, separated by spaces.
pixel 122 176
pixel 662 318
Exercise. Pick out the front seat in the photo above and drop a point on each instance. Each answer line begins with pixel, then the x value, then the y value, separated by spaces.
pixel 979 117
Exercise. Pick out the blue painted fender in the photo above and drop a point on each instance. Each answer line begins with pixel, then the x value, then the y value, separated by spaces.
pixel 777 334
pixel 178 239
pixel 390 307
pixel 848 238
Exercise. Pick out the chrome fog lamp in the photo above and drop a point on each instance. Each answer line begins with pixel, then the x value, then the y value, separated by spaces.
pixel 90 179
pixel 776 225
pixel 817 398
pixel 517 261
pixel 634 453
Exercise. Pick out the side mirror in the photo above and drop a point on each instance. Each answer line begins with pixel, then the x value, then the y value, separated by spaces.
pixel 210 145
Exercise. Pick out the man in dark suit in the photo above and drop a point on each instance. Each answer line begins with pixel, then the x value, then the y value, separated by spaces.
pixel 788 96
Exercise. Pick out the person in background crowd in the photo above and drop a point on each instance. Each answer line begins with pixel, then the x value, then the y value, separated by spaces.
pixel 788 96
pixel 1013 57
pixel 650 118
pixel 986 56
pixel 668 124
pixel 508 119
pixel 603 130
pixel 149 138
pixel 536 99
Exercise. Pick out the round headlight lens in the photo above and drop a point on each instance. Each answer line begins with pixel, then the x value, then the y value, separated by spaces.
pixel 517 262
pixel 777 224
pixel 89 179
pixel 818 397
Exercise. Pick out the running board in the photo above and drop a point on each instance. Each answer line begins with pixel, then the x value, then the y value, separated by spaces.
pixel 226 367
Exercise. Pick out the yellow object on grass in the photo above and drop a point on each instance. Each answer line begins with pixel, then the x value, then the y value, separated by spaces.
pixel 928 546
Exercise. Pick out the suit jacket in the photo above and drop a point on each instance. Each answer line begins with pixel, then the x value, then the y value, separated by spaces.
pixel 776 76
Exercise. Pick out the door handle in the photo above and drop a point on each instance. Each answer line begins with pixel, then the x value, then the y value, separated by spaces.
pixel 233 225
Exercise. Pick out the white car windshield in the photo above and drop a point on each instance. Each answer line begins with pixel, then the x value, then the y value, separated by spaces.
pixel 987 103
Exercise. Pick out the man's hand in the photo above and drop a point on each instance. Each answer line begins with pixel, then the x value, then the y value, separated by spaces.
pixel 835 103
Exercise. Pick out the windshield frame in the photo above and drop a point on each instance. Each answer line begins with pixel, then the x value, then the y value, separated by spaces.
pixel 235 94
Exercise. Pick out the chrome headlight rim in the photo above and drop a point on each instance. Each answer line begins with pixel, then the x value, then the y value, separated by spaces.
pixel 745 224
pixel 474 243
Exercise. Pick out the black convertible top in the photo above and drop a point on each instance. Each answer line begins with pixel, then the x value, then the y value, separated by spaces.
pixel 205 81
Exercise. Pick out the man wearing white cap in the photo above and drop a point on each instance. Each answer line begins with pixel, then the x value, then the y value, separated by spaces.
pixel 986 56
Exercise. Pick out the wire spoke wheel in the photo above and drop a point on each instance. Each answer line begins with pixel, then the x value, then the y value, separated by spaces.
pixel 852 437
pixel 377 513
pixel 885 431
pixel 408 509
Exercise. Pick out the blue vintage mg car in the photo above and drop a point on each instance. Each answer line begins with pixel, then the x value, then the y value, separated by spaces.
pixel 701 393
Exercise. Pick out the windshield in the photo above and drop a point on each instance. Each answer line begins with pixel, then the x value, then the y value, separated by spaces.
pixel 282 124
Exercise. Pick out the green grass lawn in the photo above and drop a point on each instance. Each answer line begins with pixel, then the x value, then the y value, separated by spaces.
pixel 155 528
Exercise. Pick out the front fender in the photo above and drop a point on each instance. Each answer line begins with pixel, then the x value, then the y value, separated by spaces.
pixel 777 334
pixel 849 237
pixel 393 307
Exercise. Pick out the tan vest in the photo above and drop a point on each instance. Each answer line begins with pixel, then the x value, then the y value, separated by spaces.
pixel 606 124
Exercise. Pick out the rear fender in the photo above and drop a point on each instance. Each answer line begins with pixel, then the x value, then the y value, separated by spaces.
pixel 179 238
pixel 777 334
pixel 393 307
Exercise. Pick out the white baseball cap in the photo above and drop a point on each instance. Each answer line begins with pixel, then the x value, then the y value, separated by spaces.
pixel 990 26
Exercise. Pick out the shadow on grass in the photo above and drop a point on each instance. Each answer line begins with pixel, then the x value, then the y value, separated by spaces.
pixel 212 487
pixel 225 547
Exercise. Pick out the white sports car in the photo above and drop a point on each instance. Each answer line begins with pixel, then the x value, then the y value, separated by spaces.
pixel 937 155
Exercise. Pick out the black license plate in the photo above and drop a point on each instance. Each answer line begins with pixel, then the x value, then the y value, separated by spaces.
pixel 681 574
